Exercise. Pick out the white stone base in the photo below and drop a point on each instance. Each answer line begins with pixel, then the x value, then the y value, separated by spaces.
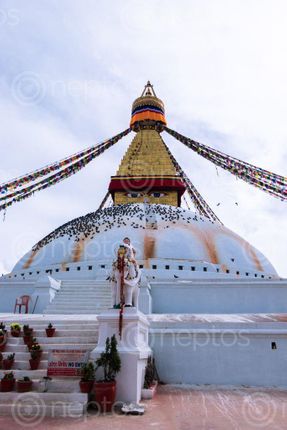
pixel 132 346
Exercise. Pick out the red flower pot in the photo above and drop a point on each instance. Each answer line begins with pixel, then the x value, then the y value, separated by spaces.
pixel 7 385
pixel 105 395
pixel 15 333
pixel 28 332
pixel 86 386
pixel 34 363
pixel 50 332
pixel 7 364
pixel 27 338
pixel 37 354
pixel 24 386
pixel 3 342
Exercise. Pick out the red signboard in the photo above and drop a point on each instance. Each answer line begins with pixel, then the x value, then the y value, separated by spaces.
pixel 66 362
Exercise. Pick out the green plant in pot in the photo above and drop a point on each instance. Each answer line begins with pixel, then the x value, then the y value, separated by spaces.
pixel 36 349
pixel 27 333
pixel 87 377
pixel 8 362
pixel 150 379
pixel 3 327
pixel 15 329
pixel 50 330
pixel 7 382
pixel 34 360
pixel 30 342
pixel 3 340
pixel 150 373
pixel 24 385
pixel 110 363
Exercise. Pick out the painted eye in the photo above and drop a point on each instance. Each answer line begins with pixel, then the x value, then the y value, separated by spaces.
pixel 157 194
pixel 134 195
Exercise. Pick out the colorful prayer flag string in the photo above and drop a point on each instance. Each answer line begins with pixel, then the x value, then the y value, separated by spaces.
pixel 275 185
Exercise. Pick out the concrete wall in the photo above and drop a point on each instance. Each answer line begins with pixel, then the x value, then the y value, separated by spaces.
pixel 9 293
pixel 222 358
pixel 41 292
pixel 219 297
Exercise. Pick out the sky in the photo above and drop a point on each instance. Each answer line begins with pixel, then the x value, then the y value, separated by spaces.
pixel 70 70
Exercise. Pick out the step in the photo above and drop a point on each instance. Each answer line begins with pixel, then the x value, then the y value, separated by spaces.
pixel 68 332
pixel 44 323
pixel 81 300
pixel 25 356
pixel 92 291
pixel 79 310
pixel 85 281
pixel 47 397
pixel 65 306
pixel 48 347
pixel 37 405
pixel 81 288
pixel 25 365
pixel 56 385
pixel 20 373
pixel 92 294
pixel 74 311
pixel 57 339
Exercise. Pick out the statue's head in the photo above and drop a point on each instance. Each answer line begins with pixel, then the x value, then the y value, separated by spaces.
pixel 127 241
pixel 122 251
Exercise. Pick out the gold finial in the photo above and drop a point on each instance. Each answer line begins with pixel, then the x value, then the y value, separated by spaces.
pixel 148 90
pixel 148 111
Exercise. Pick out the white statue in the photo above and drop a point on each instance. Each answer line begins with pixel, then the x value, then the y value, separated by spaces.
pixel 125 276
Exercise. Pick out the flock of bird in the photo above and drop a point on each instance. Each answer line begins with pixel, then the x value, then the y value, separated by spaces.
pixel 137 216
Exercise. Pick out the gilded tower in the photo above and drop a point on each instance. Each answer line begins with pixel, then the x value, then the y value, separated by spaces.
pixel 146 172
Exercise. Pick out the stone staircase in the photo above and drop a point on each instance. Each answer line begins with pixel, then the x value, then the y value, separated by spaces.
pixel 63 397
pixel 81 297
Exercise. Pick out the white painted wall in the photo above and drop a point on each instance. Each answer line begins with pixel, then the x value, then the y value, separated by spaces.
pixel 221 357
pixel 219 296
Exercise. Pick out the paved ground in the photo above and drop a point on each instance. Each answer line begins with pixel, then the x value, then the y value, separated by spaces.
pixel 176 408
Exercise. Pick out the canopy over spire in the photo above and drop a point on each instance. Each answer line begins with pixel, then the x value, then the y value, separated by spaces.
pixel 148 111
pixel 148 90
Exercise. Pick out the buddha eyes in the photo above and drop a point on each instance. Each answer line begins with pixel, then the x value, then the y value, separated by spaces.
pixel 134 195
pixel 155 194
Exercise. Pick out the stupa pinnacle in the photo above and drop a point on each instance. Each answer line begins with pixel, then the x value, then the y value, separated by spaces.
pixel 147 172
pixel 148 111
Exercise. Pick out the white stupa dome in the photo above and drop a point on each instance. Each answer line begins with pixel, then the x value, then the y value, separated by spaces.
pixel 161 233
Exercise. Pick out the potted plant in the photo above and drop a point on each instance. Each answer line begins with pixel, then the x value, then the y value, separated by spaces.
pixel 7 382
pixel 34 360
pixel 27 333
pixel 3 340
pixel 3 327
pixel 24 385
pixel 27 330
pixel 150 380
pixel 44 384
pixel 110 362
pixel 30 342
pixel 8 362
pixel 87 377
pixel 50 330
pixel 15 329
pixel 36 349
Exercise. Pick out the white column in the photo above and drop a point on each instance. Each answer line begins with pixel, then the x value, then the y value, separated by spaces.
pixel 133 349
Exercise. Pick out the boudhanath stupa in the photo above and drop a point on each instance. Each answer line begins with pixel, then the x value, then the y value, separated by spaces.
pixel 216 307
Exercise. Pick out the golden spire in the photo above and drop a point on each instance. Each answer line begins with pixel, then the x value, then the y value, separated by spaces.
pixel 148 111
pixel 147 172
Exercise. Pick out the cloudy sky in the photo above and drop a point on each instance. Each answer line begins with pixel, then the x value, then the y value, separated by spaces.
pixel 70 70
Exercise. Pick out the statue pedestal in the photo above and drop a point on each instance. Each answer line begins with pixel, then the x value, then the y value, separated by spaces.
pixel 133 349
